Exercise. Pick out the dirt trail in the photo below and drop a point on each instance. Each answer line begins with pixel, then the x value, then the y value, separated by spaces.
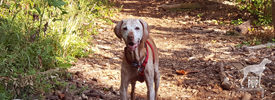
pixel 180 48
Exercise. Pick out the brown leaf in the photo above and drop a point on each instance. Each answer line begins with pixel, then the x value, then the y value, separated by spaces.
pixel 61 95
pixel 181 72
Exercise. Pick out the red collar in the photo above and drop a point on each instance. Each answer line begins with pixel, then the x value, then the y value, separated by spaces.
pixel 142 66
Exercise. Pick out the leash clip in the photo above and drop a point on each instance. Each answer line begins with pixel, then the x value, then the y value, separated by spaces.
pixel 135 64
pixel 140 69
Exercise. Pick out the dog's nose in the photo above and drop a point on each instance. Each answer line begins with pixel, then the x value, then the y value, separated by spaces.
pixel 131 43
pixel 130 37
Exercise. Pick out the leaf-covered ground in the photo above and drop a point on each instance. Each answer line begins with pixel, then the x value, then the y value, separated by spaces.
pixel 182 48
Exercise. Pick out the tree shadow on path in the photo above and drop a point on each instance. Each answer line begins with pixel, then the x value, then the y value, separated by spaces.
pixel 207 10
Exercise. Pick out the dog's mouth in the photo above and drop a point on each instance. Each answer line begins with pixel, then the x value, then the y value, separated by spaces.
pixel 132 46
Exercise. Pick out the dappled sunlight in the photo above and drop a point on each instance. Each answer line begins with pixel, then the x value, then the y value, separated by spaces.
pixel 183 48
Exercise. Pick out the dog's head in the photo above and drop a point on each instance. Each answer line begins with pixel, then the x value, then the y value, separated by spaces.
pixel 132 31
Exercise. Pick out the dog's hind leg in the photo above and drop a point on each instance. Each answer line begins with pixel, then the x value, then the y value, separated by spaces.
pixel 133 84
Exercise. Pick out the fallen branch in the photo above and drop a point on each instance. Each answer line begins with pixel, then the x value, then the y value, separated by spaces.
pixel 259 46
pixel 225 83
pixel 197 29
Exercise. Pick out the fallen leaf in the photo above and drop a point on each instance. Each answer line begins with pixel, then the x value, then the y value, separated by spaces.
pixel 184 72
pixel 61 96
pixel 181 72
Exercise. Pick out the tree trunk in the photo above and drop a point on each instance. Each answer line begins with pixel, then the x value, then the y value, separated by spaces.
pixel 273 16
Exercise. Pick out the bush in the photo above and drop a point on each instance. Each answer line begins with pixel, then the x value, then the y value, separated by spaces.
pixel 260 9
pixel 38 35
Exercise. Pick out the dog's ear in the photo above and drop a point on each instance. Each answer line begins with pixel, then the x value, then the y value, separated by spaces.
pixel 145 29
pixel 117 29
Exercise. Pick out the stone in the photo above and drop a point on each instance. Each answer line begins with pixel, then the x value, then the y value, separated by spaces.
pixel 226 85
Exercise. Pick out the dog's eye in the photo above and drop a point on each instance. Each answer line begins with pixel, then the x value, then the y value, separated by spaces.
pixel 137 28
pixel 125 28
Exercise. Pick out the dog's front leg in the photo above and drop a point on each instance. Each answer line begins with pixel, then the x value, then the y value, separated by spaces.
pixel 149 78
pixel 157 78
pixel 123 85
pixel 133 84
pixel 260 77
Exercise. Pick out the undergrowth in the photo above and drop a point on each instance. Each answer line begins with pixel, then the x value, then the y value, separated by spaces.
pixel 261 17
pixel 38 35
pixel 261 10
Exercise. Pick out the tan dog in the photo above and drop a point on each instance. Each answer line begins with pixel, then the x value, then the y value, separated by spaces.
pixel 140 62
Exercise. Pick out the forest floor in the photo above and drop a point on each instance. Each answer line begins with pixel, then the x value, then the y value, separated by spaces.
pixel 181 49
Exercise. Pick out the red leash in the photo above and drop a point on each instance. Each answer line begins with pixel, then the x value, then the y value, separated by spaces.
pixel 146 59
pixel 143 65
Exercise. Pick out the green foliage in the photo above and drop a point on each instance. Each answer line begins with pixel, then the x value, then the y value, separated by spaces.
pixel 237 22
pixel 260 9
pixel 38 35
pixel 254 41
pixel 199 15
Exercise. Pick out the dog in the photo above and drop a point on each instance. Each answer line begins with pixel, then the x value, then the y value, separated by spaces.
pixel 140 61
pixel 257 69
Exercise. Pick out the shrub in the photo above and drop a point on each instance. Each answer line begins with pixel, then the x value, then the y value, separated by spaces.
pixel 260 9
pixel 38 35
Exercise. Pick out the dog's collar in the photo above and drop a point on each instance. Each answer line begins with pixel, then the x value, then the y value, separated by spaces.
pixel 141 66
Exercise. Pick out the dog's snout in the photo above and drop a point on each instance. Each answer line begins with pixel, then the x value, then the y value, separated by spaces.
pixel 131 36
pixel 131 43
